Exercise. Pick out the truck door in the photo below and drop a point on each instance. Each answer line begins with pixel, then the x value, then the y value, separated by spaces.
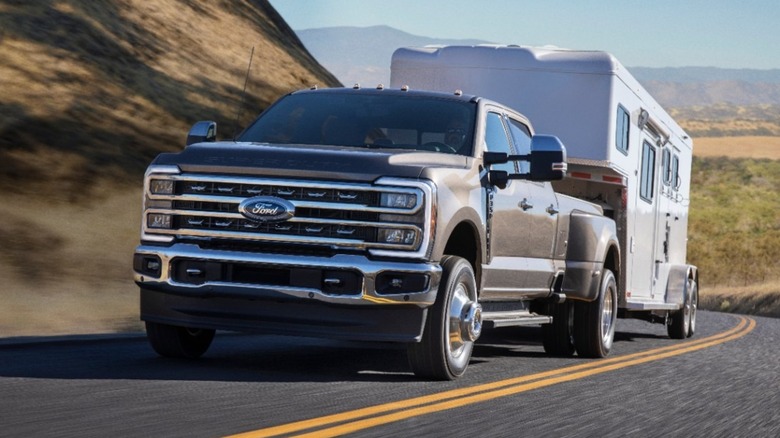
pixel 505 271
pixel 541 209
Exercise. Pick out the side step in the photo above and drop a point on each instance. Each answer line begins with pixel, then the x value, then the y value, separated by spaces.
pixel 513 318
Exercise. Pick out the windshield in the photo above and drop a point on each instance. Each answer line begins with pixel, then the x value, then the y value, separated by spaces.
pixel 390 121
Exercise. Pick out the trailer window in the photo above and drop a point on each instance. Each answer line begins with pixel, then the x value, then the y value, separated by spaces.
pixel 647 181
pixel 675 172
pixel 623 127
pixel 667 167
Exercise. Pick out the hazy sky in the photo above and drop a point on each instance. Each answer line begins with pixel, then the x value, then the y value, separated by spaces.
pixel 650 33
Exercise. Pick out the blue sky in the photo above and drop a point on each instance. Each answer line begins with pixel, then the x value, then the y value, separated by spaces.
pixel 650 33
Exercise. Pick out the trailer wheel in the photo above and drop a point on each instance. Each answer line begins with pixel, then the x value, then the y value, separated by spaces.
pixel 594 322
pixel 454 322
pixel 681 323
pixel 178 342
pixel 694 288
pixel 558 337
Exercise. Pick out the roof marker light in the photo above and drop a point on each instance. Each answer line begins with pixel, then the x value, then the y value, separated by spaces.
pixel 405 88
pixel 458 92
pixel 314 87
pixel 356 86
pixel 380 87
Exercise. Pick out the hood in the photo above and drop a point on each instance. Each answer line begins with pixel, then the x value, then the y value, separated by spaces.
pixel 305 161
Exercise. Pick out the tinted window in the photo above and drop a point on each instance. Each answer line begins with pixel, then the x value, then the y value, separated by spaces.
pixel 623 127
pixel 647 180
pixel 497 141
pixel 353 119
pixel 521 137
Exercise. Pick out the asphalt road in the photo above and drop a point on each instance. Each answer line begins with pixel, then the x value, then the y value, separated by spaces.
pixel 725 381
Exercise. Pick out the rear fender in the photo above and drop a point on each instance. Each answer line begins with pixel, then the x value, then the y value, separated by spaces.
pixel 590 239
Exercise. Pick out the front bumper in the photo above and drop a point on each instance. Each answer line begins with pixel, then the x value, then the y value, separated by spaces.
pixel 344 296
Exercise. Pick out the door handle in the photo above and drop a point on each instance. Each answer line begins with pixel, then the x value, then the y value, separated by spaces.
pixel 525 205
pixel 552 210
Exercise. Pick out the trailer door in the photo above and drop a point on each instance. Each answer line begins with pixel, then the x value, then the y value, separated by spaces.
pixel 643 245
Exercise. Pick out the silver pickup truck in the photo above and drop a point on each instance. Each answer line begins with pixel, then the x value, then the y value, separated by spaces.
pixel 375 214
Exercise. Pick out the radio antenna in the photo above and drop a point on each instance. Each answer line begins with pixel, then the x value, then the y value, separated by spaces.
pixel 243 94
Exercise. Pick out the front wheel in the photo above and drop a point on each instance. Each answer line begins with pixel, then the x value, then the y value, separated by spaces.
pixel 594 322
pixel 453 323
pixel 179 342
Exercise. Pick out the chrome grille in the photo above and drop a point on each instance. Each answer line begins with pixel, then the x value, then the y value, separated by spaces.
pixel 332 214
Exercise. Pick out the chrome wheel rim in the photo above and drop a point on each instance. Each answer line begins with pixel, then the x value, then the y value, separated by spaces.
pixel 607 317
pixel 694 306
pixel 456 316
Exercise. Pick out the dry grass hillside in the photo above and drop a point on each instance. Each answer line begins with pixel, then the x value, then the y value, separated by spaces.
pixel 91 92
pixel 94 89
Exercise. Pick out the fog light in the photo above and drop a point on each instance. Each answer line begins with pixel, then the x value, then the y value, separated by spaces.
pixel 150 265
pixel 397 236
pixel 161 186
pixel 157 220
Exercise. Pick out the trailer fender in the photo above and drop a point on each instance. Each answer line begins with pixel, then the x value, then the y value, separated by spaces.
pixel 677 285
pixel 589 241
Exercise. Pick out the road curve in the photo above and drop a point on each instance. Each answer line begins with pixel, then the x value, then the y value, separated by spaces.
pixel 725 381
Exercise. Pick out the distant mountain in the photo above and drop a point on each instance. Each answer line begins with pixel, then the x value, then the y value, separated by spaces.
pixel 362 54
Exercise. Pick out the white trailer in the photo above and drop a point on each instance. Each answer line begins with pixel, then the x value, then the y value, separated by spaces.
pixel 625 153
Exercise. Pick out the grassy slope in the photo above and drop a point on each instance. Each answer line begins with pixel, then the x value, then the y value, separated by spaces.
pixel 734 233
pixel 91 91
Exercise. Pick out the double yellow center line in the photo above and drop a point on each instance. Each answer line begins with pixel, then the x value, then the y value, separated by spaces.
pixel 364 418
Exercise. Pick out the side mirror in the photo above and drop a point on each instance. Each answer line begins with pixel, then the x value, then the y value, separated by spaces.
pixel 202 131
pixel 548 158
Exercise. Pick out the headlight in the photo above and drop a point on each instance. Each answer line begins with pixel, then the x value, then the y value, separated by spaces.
pixel 157 220
pixel 161 186
pixel 398 200
pixel 398 236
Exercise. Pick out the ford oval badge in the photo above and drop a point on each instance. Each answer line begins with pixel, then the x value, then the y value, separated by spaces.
pixel 266 209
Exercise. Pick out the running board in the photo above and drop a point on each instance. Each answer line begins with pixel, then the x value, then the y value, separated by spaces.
pixel 508 319
pixel 649 305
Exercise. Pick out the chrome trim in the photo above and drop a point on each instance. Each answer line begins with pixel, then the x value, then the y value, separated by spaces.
pixel 368 268
pixel 380 187
pixel 429 223
pixel 422 190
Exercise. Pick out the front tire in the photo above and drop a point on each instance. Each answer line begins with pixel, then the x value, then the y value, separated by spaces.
pixel 594 322
pixel 178 342
pixel 453 323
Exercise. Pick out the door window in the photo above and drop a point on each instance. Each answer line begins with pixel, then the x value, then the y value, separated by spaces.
pixel 497 141
pixel 521 137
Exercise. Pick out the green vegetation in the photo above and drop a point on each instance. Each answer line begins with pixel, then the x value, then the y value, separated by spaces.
pixel 734 224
